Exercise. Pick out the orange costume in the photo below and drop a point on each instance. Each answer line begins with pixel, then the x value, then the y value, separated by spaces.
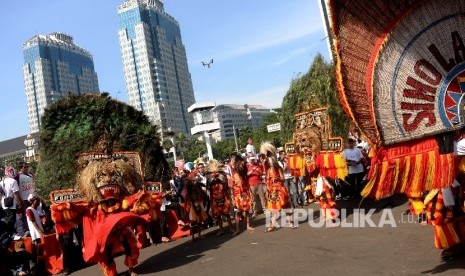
pixel 194 201
pixel 449 224
pixel 219 198
pixel 324 193
pixel 277 195
pixel 240 192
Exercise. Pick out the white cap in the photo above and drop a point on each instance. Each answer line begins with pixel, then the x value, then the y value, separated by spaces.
pixel 31 197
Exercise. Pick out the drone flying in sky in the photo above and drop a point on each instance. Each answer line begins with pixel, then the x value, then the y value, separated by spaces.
pixel 207 64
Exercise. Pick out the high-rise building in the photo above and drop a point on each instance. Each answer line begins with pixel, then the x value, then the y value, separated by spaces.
pixel 158 81
pixel 54 67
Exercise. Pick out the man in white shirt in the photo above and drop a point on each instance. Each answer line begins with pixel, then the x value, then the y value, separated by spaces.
pixel 354 159
pixel 250 149
pixel 25 183
pixel 11 195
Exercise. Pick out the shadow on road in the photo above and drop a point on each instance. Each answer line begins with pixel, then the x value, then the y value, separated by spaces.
pixel 458 263
pixel 369 203
pixel 188 252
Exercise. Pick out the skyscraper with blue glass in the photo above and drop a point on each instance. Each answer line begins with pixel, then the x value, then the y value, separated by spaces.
pixel 155 67
pixel 54 67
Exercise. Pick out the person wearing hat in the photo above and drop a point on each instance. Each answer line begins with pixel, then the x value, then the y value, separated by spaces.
pixel 33 219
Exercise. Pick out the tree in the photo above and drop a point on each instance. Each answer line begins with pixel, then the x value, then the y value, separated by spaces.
pixel 194 147
pixel 180 143
pixel 261 134
pixel 77 124
pixel 316 88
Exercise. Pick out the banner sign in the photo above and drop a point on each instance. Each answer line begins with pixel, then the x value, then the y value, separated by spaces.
pixel 418 79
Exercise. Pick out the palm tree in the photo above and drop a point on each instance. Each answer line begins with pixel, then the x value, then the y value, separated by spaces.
pixel 180 143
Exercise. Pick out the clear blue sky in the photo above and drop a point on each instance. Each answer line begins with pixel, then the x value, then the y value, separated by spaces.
pixel 257 46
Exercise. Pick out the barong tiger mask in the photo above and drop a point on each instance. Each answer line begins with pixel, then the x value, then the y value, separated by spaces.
pixel 107 180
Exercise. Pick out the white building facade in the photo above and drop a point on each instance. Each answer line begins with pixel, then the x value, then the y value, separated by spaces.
pixel 227 117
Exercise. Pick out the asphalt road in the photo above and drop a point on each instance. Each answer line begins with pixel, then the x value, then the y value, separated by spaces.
pixel 397 245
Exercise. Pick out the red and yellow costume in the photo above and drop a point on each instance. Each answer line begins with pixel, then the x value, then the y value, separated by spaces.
pixel 219 199
pixel 277 195
pixel 111 206
pixel 194 200
pixel 240 192
pixel 449 229
pixel 326 165
pixel 106 229
pixel 324 194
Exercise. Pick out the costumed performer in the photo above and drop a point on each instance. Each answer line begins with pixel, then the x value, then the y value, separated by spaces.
pixel 277 195
pixel 445 211
pixel 241 192
pixel 194 206
pixel 217 182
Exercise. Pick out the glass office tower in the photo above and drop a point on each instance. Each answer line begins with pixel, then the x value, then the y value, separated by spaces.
pixel 54 67
pixel 155 67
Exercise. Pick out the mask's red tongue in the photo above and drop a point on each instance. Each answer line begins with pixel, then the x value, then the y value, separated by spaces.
pixel 110 191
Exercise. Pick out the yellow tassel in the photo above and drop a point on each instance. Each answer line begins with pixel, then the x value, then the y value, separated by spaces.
pixel 431 169
pixel 395 179
pixel 406 174
pixel 382 178
pixel 451 168
pixel 326 161
pixel 341 166
pixel 369 186
pixel 415 187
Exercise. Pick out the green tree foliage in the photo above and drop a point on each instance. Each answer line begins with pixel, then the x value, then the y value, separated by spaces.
pixel 261 134
pixel 194 147
pixel 76 124
pixel 316 88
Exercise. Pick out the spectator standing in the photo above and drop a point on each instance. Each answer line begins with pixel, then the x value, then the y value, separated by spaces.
pixel 254 177
pixel 25 182
pixel 35 228
pixel 354 159
pixel 250 149
pixel 298 171
pixel 11 199
pixel 33 219
pixel 290 185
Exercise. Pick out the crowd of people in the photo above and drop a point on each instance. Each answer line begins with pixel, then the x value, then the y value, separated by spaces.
pixel 202 196
pixel 23 214
pixel 257 181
